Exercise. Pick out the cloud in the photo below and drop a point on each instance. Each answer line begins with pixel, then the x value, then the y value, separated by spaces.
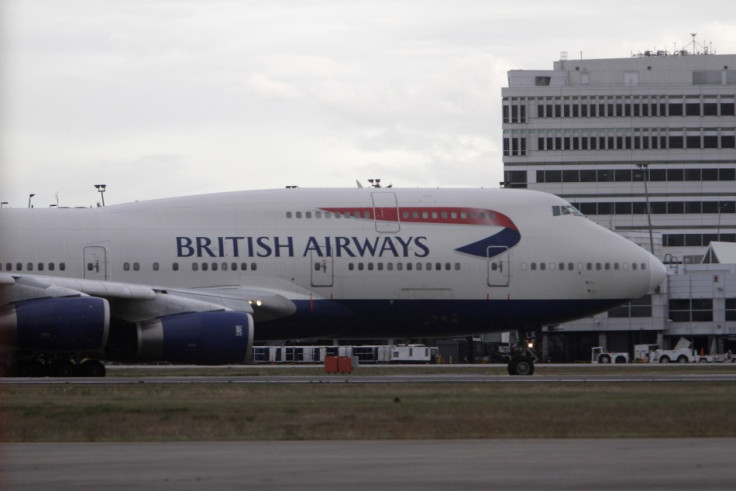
pixel 273 89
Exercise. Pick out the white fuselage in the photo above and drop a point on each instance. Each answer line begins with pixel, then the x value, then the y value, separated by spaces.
pixel 381 253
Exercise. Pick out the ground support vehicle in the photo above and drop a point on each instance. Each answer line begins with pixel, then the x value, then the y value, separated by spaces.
pixel 602 356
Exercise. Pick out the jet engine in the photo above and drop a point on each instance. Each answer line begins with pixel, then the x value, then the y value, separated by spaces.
pixel 201 338
pixel 59 324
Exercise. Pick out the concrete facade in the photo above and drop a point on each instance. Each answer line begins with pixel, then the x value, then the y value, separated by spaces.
pixel 645 146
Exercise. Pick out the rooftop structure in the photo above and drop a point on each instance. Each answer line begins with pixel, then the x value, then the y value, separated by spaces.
pixel 610 134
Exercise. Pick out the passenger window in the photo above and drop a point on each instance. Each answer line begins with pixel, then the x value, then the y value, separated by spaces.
pixel 205 266
pixel 195 267
pixel 155 266
pixel 253 266
pixel 175 266
pixel 62 266
pixel 126 266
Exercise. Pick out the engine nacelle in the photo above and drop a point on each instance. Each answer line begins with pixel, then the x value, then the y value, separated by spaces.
pixel 201 338
pixel 61 324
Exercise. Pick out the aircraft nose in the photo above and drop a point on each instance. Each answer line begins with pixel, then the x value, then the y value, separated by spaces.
pixel 657 272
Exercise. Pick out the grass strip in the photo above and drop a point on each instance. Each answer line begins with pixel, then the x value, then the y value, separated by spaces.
pixel 220 412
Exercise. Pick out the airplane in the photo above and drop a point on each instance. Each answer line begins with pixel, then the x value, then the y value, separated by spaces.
pixel 198 279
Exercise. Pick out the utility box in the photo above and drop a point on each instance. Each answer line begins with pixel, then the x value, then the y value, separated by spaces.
pixel 338 364
pixel 330 364
pixel 344 364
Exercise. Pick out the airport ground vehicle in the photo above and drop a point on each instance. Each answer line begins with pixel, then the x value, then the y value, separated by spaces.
pixel 410 353
pixel 681 353
pixel 600 355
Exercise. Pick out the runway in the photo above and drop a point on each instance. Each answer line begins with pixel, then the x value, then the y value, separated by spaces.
pixel 677 374
pixel 704 464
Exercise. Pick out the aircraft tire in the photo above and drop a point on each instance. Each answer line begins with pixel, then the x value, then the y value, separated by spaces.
pixel 24 368
pixel 92 368
pixel 521 366
pixel 62 368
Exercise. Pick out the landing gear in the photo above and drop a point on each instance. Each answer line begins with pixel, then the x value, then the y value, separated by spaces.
pixel 41 366
pixel 523 357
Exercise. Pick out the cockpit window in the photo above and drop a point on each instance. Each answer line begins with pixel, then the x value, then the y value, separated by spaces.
pixel 565 210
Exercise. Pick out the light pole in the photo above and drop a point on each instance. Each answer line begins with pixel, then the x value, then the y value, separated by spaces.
pixel 645 177
pixel 101 190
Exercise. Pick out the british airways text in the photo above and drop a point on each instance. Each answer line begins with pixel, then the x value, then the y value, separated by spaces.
pixel 243 246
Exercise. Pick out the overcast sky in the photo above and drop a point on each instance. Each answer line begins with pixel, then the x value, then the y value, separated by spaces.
pixel 164 98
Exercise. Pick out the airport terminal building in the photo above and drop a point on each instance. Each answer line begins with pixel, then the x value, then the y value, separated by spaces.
pixel 645 146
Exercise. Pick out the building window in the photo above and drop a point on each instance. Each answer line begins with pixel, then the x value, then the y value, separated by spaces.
pixel 731 309
pixel 641 307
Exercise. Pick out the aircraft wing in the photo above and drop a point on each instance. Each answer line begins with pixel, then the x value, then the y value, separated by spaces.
pixel 133 302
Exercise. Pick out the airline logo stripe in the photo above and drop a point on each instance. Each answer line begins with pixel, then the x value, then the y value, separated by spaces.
pixel 442 215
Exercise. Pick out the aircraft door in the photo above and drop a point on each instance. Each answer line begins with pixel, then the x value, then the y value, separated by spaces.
pixel 386 212
pixel 499 266
pixel 321 269
pixel 95 263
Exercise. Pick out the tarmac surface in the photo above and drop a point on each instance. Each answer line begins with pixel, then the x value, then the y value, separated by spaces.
pixel 703 464
pixel 584 376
